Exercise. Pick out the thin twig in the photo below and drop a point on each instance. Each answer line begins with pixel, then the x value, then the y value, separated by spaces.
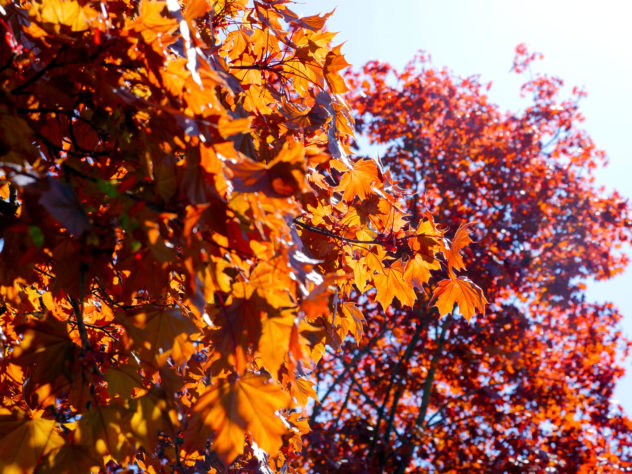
pixel 350 240
pixel 343 374
pixel 18 90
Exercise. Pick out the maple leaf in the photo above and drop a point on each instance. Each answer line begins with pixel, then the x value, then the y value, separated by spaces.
pixel 18 456
pixel 64 13
pixel 352 320
pixel 275 341
pixel 304 389
pixel 427 239
pixel 460 291
pixel 316 304
pixel 62 203
pixel 237 329
pixel 160 331
pixel 125 380
pixel 281 177
pixel 71 459
pixel 153 20
pixel 247 405
pixel 358 180
pixel 461 240
pixel 417 270
pixel 151 416
pixel 47 353
pixel 228 127
pixel 360 274
pixel 196 8
pixel 106 430
pixel 334 62
pixel 390 283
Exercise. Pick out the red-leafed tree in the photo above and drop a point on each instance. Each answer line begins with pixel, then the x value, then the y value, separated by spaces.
pixel 527 387
pixel 179 223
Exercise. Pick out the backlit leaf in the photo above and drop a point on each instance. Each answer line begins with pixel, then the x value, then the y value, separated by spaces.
pixel 462 292
pixel 247 405
pixel 24 441
pixel 391 284
pixel 461 240
pixel 358 180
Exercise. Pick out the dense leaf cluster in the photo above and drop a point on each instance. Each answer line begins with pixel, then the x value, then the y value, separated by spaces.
pixel 190 256
pixel 179 224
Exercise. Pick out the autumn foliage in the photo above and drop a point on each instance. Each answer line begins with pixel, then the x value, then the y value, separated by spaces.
pixel 197 276
pixel 184 233
pixel 527 387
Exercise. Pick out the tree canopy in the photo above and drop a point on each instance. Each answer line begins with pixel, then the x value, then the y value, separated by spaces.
pixel 198 275
pixel 527 387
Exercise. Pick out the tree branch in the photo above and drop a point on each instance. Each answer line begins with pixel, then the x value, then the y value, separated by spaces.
pixel 343 374
pixel 425 399
pixel 78 309
pixel 403 360
pixel 51 65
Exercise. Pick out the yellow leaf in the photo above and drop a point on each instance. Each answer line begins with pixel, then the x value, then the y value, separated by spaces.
pixel 374 261
pixel 462 292
pixel 334 62
pixel 47 299
pixel 360 274
pixel 154 20
pixel 125 381
pixel 5 190
pixel 181 351
pixel 157 331
pixel 352 320
pixel 196 8
pixel 151 416
pixel 304 389
pixel 417 270
pixel 106 430
pixel 24 441
pixel 66 13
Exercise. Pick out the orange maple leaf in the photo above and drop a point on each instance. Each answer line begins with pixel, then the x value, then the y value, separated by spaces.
pixel 461 240
pixel 391 284
pixel 417 270
pixel 335 62
pixel 275 341
pixel 231 409
pixel 460 291
pixel 357 181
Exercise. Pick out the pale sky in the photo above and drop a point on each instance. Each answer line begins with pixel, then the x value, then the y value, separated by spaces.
pixel 586 43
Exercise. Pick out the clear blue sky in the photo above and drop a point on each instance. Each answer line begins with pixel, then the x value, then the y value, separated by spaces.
pixel 586 43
